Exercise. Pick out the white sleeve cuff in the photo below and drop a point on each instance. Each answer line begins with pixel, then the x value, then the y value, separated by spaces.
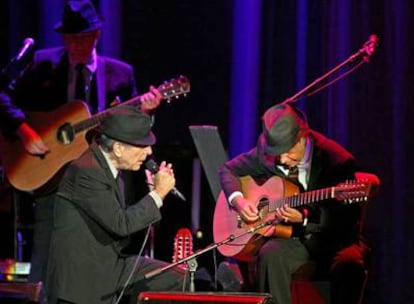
pixel 233 195
pixel 157 199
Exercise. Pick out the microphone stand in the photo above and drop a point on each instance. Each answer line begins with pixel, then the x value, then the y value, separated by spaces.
pixel 192 263
pixel 366 51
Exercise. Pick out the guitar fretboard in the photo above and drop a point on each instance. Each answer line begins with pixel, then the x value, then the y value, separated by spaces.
pixel 300 199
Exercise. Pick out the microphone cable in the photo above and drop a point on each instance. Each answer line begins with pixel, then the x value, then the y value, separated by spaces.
pixel 135 265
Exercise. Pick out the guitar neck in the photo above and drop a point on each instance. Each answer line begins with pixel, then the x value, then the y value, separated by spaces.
pixel 168 90
pixel 96 119
pixel 303 199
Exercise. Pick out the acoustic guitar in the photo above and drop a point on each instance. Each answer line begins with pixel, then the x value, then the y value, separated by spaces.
pixel 272 194
pixel 63 131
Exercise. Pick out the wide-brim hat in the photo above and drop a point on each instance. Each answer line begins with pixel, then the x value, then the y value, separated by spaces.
pixel 282 128
pixel 129 125
pixel 79 17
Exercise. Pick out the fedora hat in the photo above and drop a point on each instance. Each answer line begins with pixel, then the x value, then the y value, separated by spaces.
pixel 282 128
pixel 128 125
pixel 78 17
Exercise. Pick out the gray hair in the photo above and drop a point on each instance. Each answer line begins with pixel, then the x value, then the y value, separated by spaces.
pixel 105 142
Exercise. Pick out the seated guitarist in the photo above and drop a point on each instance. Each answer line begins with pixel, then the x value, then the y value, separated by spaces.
pixel 59 75
pixel 328 233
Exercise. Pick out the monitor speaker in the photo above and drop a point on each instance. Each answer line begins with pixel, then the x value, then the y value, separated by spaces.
pixel 203 298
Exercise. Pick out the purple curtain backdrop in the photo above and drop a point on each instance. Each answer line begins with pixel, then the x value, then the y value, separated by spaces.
pixel 242 57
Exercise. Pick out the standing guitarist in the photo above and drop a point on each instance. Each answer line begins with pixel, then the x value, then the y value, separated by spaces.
pixel 59 75
pixel 329 234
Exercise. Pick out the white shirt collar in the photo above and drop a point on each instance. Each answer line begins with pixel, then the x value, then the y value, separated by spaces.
pixel 305 162
pixel 92 64
pixel 114 170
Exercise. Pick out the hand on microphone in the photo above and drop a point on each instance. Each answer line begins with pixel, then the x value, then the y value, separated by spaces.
pixel 153 167
pixel 163 179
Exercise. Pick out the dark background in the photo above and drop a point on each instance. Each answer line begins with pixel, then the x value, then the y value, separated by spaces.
pixel 369 112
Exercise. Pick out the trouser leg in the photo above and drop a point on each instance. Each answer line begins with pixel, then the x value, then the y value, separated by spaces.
pixel 174 279
pixel 43 227
pixel 277 260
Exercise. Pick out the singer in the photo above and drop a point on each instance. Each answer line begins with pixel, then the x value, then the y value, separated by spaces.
pixel 93 223
pixel 59 75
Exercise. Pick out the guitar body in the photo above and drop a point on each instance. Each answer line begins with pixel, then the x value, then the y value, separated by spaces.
pixel 28 172
pixel 227 221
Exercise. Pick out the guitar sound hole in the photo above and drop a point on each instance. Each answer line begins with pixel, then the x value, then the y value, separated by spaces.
pixel 65 134
pixel 263 207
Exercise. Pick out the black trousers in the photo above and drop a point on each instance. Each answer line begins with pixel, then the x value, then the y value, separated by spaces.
pixel 43 226
pixel 278 259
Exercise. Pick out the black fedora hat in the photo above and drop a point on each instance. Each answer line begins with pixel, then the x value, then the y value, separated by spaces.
pixel 79 17
pixel 129 125
pixel 283 125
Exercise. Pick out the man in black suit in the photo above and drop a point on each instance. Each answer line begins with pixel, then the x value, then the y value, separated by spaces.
pixel 328 232
pixel 92 222
pixel 60 75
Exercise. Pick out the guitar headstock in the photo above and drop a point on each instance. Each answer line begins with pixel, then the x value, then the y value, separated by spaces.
pixel 183 245
pixel 174 88
pixel 353 191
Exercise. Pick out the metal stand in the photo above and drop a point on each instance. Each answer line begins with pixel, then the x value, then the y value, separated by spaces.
pixel 365 52
pixel 192 267
pixel 192 258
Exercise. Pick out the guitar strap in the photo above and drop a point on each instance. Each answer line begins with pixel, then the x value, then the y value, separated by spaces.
pixel 80 86
pixel 93 99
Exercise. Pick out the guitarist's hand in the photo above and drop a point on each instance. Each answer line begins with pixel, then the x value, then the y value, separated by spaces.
pixel 164 180
pixel 31 141
pixel 150 100
pixel 287 214
pixel 247 210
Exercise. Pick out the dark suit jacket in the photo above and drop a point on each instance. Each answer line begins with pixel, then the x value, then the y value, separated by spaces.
pixel 44 86
pixel 333 225
pixel 90 225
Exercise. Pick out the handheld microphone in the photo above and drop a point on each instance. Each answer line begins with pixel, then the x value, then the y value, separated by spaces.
pixel 28 44
pixel 153 167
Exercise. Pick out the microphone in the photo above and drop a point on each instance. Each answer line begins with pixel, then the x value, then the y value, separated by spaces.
pixel 153 167
pixel 367 49
pixel 28 44
pixel 17 66
pixel 371 44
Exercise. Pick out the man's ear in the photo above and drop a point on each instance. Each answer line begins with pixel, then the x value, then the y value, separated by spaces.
pixel 117 149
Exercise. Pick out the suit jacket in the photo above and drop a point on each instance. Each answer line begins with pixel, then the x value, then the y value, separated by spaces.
pixel 332 225
pixel 44 86
pixel 90 225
